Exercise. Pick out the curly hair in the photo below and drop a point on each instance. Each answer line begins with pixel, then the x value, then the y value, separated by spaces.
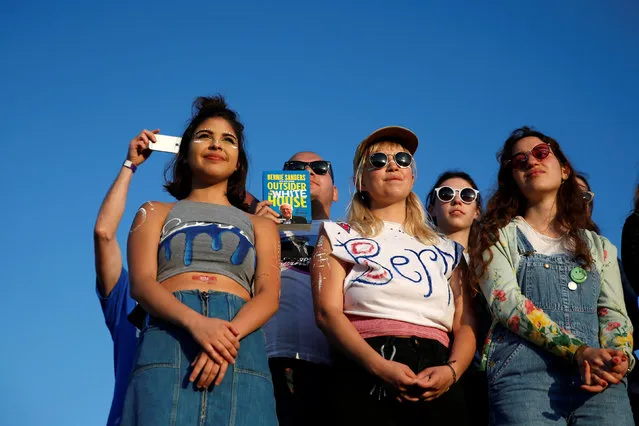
pixel 508 202
pixel 178 174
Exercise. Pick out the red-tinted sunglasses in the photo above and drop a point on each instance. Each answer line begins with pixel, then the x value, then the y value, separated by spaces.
pixel 519 161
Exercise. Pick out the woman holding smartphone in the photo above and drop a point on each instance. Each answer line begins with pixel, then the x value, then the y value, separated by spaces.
pixel 208 274
pixel 387 291
pixel 561 341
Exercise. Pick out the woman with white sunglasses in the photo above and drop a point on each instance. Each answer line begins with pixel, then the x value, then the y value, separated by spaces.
pixel 454 204
pixel 388 291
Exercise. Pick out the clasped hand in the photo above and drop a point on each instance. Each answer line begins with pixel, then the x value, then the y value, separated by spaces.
pixel 220 345
pixel 601 367
pixel 429 384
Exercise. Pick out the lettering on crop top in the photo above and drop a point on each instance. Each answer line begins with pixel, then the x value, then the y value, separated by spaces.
pixel 214 230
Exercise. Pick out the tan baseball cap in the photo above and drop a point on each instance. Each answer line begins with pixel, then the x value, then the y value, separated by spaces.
pixel 397 134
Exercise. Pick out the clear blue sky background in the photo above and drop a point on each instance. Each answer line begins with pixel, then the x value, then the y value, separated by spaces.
pixel 78 82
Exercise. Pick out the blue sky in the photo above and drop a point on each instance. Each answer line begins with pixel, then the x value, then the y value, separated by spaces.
pixel 78 82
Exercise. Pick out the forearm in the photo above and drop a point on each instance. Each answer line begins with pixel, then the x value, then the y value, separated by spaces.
pixel 615 328
pixel 343 334
pixel 463 350
pixel 112 207
pixel 518 314
pixel 161 303
pixel 255 312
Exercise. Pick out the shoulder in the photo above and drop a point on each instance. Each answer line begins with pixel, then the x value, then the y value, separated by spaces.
pixel 601 248
pixel 334 229
pixel 155 208
pixel 506 238
pixel 153 212
pixel 263 226
pixel 447 244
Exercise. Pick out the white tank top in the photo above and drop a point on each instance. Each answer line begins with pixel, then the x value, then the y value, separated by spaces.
pixel 395 276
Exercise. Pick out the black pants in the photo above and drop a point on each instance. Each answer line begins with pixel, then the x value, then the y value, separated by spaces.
pixel 302 391
pixel 475 386
pixel 363 399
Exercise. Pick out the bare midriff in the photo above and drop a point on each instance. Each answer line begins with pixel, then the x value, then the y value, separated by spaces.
pixel 205 282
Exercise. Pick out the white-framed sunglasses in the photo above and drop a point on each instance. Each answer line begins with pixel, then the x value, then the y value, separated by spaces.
pixel 588 196
pixel 446 194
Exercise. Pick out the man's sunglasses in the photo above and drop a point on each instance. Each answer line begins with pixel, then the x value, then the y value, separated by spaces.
pixel 319 167
pixel 588 196
pixel 379 160
pixel 446 194
pixel 519 161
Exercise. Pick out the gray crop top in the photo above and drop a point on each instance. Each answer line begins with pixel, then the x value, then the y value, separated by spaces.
pixel 210 238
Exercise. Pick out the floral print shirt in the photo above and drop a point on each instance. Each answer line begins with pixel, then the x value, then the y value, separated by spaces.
pixel 517 313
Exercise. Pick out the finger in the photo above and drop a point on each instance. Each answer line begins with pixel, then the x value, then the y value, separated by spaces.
pixel 205 373
pixel 604 375
pixel 598 381
pixel 212 352
pixel 410 398
pixel 606 355
pixel 233 329
pixel 620 368
pixel 429 394
pixel 209 379
pixel 587 374
pixel 232 338
pixel 198 365
pixel 221 373
pixel 593 389
pixel 231 348
pixel 224 353
pixel 272 212
pixel 149 134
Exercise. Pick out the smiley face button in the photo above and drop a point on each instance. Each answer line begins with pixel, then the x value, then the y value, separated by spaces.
pixel 578 275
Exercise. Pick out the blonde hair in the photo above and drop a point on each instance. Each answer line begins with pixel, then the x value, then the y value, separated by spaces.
pixel 362 219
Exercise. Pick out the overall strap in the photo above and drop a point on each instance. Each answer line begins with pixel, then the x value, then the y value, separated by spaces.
pixel 523 245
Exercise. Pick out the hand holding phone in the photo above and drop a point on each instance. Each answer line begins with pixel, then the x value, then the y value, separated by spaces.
pixel 166 144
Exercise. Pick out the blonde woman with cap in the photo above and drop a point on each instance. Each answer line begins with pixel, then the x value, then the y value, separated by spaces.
pixel 387 292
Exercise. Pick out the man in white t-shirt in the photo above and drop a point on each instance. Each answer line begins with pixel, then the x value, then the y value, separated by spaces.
pixel 299 355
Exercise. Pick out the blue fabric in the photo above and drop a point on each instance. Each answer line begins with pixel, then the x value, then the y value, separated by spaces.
pixel 116 307
pixel 529 385
pixel 159 392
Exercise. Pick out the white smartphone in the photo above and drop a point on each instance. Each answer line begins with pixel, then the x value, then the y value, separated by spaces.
pixel 166 144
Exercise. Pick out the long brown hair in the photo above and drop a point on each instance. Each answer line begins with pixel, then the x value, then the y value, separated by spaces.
pixel 508 202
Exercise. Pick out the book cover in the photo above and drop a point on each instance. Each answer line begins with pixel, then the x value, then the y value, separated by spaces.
pixel 290 195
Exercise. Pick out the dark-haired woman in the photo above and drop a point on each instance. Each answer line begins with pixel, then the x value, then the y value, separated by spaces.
pixel 454 204
pixel 208 274
pixel 561 340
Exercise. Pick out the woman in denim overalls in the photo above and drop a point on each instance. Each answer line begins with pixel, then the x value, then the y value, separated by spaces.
pixel 561 340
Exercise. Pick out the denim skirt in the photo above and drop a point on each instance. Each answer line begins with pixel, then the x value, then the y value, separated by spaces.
pixel 159 392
